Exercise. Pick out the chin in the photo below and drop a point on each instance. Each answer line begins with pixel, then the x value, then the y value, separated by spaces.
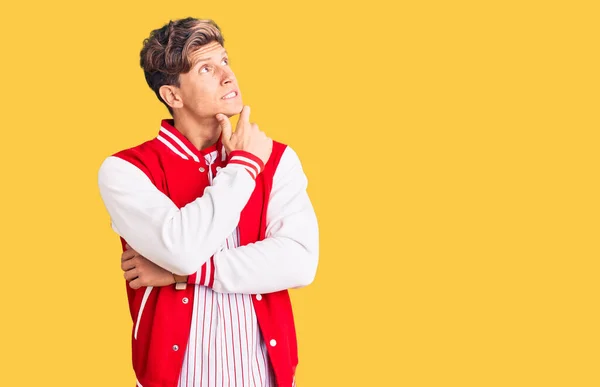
pixel 234 110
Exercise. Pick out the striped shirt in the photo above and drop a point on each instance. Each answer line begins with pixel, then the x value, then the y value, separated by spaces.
pixel 225 347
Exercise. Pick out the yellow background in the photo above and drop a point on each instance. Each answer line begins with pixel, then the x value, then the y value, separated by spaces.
pixel 452 155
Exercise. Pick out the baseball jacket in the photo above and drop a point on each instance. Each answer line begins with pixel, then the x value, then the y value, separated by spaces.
pixel 179 224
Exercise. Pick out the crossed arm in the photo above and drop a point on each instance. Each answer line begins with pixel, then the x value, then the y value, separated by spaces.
pixel 166 240
pixel 140 271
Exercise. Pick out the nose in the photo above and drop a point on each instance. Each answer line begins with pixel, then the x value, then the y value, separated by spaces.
pixel 227 76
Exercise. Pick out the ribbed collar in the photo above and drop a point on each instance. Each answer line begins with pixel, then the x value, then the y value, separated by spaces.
pixel 180 145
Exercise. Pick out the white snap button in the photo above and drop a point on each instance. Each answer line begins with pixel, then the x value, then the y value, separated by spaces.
pixel 176 348
pixel 218 169
pixel 201 169
pixel 185 300
pixel 273 343
pixel 259 297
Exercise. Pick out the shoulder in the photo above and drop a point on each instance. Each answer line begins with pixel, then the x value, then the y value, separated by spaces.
pixel 283 159
pixel 142 154
pixel 283 155
pixel 288 165
pixel 279 149
pixel 144 157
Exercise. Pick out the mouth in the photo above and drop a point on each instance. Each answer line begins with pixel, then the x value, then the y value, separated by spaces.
pixel 231 95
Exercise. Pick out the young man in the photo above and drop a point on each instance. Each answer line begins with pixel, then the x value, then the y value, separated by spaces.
pixel 219 223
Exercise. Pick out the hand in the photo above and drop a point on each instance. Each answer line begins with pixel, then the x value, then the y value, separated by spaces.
pixel 139 271
pixel 247 136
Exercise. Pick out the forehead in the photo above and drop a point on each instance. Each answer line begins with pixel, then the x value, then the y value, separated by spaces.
pixel 207 51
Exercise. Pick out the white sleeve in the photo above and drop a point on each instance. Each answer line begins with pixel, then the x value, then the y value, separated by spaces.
pixel 178 240
pixel 288 256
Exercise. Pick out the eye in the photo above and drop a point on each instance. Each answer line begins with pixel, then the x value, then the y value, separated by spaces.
pixel 226 61
pixel 204 69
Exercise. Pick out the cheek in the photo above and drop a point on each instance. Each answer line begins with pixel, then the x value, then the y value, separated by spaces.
pixel 205 92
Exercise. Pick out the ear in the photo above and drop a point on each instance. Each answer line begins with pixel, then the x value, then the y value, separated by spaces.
pixel 170 94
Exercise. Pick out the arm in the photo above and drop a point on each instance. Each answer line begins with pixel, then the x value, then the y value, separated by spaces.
pixel 286 259
pixel 288 256
pixel 178 240
pixel 140 272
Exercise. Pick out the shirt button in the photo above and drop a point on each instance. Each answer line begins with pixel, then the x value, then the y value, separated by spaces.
pixel 258 297
pixel 218 169
pixel 185 300
pixel 176 347
pixel 201 169
pixel 273 342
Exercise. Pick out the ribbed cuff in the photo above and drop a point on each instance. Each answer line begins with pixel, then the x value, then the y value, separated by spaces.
pixel 207 273
pixel 253 164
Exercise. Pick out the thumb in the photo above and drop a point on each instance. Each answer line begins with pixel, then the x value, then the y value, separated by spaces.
pixel 225 126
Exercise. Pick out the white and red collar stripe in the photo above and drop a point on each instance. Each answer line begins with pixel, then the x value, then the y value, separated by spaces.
pixel 181 146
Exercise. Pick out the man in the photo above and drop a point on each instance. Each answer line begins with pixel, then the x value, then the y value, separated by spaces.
pixel 219 224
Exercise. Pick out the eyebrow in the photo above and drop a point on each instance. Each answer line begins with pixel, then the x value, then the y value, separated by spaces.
pixel 206 59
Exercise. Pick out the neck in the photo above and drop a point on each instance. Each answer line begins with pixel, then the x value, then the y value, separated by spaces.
pixel 202 133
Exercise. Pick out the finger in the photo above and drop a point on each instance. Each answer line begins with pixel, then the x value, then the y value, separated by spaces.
pixel 128 264
pixel 270 147
pixel 254 126
pixel 135 284
pixel 128 254
pixel 131 274
pixel 127 247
